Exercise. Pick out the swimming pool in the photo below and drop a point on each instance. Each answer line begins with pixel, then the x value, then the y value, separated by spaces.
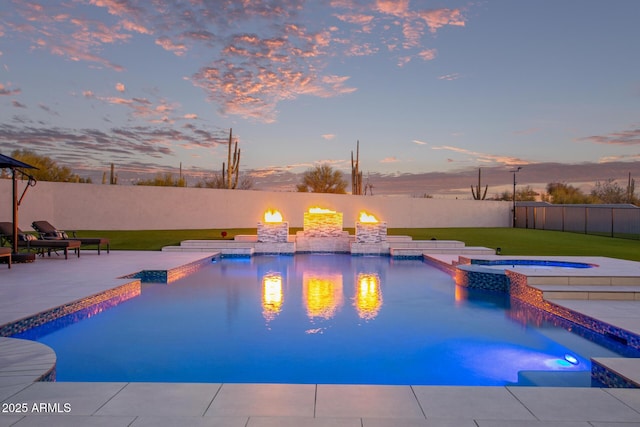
pixel 320 319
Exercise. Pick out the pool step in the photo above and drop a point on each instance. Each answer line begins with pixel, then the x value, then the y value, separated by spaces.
pixel 590 292
pixel 225 247
pixel 397 252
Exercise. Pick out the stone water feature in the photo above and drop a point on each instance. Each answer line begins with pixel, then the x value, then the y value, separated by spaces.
pixel 322 232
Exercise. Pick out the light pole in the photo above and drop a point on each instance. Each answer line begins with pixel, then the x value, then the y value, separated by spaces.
pixel 514 194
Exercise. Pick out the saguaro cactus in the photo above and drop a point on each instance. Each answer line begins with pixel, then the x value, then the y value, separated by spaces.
pixel 476 192
pixel 356 175
pixel 230 175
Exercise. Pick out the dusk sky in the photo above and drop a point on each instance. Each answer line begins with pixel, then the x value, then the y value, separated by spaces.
pixel 425 86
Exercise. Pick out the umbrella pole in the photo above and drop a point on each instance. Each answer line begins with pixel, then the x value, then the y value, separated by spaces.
pixel 15 212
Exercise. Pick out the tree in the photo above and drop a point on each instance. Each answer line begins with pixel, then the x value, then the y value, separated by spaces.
pixel 524 194
pixel 323 179
pixel 48 169
pixel 564 194
pixel 164 180
pixel 218 181
pixel 609 192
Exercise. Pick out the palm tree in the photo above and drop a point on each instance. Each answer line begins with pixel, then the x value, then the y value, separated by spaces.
pixel 323 179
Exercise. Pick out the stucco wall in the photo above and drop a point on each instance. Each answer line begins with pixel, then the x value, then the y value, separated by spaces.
pixel 124 207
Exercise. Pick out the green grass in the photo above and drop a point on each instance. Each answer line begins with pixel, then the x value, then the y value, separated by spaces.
pixel 512 241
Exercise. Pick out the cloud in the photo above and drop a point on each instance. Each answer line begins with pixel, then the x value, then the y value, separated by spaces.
pixel 416 141
pixel 328 136
pixel 93 147
pixel 390 160
pixel 438 18
pixel 428 54
pixel 179 49
pixel 620 158
pixel 17 104
pixel 484 157
pixel 449 77
pixel 4 91
pixel 627 137
pixel 120 87
pixel 258 53
pixel 48 109
pixel 253 92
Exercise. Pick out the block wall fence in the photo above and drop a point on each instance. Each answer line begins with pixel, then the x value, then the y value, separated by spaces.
pixel 74 206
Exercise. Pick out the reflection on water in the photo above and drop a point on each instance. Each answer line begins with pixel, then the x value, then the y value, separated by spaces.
pixel 322 294
pixel 368 299
pixel 272 295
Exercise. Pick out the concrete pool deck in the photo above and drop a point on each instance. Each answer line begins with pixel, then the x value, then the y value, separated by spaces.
pixel 27 289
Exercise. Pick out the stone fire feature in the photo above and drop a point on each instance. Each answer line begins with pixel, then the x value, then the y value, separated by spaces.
pixel 322 232
pixel 368 232
pixel 273 232
pixel 326 224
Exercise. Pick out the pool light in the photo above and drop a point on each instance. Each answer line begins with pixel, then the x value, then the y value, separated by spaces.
pixel 571 359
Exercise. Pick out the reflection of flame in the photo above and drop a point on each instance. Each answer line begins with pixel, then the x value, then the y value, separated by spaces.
pixel 320 210
pixel 368 298
pixel 272 216
pixel 272 296
pixel 322 294
pixel 365 217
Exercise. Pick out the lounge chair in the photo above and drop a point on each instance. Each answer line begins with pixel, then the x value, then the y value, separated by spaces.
pixel 29 241
pixel 48 231
pixel 6 253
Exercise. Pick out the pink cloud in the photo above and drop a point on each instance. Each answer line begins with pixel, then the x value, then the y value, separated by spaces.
pixel 355 18
pixel 627 137
pixel 438 18
pixel 4 91
pixel 449 77
pixel 390 160
pixel 484 157
pixel 249 74
pixel 398 8
pixel 428 54
pixel 120 87
pixel 166 43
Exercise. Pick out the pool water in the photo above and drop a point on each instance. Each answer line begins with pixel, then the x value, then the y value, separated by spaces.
pixel 320 319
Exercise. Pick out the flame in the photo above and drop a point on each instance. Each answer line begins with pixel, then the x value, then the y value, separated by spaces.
pixel 272 216
pixel 365 217
pixel 320 210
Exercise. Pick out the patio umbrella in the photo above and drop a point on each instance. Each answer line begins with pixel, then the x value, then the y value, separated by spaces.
pixel 16 167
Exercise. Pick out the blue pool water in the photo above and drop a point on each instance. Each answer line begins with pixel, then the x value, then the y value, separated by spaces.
pixel 320 319
pixel 535 263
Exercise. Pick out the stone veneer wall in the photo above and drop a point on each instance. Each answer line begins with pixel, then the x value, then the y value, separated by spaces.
pixel 371 232
pixel 323 224
pixel 273 232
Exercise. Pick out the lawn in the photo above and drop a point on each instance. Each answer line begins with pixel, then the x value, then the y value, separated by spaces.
pixel 512 241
